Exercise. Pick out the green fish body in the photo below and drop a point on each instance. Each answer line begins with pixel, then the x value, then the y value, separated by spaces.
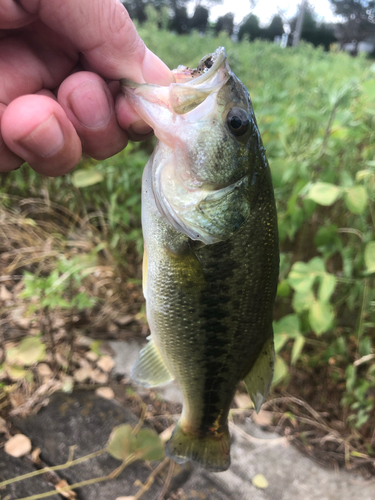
pixel 211 253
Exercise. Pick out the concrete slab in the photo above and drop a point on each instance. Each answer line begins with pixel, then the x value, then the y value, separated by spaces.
pixel 11 467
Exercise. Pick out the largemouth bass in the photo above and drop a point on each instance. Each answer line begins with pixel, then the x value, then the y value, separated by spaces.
pixel 211 258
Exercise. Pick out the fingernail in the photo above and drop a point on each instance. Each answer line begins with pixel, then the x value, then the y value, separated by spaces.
pixel 46 140
pixel 90 105
pixel 155 71
pixel 140 128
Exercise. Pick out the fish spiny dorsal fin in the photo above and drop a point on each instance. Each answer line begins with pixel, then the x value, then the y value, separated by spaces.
pixel 258 380
pixel 149 369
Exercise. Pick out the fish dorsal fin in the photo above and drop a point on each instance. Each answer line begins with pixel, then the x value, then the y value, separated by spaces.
pixel 149 369
pixel 258 380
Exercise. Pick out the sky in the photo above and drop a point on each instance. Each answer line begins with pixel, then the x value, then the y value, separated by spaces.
pixel 266 9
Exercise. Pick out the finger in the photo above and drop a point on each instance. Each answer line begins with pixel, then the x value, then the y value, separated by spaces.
pixel 36 128
pixel 129 120
pixel 12 15
pixel 89 105
pixel 104 33
pixel 8 160
pixel 30 63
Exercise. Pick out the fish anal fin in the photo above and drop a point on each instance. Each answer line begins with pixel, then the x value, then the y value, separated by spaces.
pixel 149 369
pixel 258 380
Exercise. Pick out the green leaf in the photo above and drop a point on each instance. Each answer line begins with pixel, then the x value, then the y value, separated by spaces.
pixel 351 376
pixel 324 193
pixel 370 256
pixel 121 442
pixel 280 370
pixel 300 277
pixel 321 317
pixel 15 372
pixel 297 348
pixel 29 351
pixel 288 325
pixel 326 287
pixel 302 300
pixel 149 445
pixel 283 289
pixel 280 340
pixel 356 199
pixel 316 265
pixel 86 177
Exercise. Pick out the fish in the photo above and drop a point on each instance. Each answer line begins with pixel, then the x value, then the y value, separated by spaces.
pixel 211 253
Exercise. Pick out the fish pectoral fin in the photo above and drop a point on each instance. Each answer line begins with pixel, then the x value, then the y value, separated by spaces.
pixel 258 380
pixel 149 369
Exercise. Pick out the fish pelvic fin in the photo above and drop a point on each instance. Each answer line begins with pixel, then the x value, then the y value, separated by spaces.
pixel 149 369
pixel 211 451
pixel 258 380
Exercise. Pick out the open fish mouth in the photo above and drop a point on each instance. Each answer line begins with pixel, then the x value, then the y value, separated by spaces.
pixel 192 87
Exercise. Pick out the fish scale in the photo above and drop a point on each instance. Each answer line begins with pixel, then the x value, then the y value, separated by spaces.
pixel 211 264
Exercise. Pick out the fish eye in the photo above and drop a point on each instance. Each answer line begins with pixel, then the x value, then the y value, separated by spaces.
pixel 238 121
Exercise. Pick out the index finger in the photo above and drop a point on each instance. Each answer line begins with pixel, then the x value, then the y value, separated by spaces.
pixel 106 36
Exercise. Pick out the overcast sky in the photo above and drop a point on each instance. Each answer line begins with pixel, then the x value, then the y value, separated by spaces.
pixel 266 9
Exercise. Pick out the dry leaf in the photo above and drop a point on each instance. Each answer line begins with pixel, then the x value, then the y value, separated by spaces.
pixel 83 374
pixel 125 319
pixel 263 417
pixel 167 433
pixel 112 328
pixel 99 377
pixel 67 384
pixel 106 363
pixel 105 392
pixel 83 341
pixel 243 400
pixel 29 351
pixel 44 370
pixel 67 494
pixel 4 293
pixel 17 315
pixel 35 455
pixel 92 356
pixel 83 363
pixel 18 446
pixel 62 360
pixel 3 426
pixel 259 481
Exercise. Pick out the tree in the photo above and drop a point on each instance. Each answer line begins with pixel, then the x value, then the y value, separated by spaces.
pixel 250 27
pixel 200 19
pixel 138 8
pixel 276 28
pixel 359 21
pixel 312 31
pixel 180 21
pixel 225 23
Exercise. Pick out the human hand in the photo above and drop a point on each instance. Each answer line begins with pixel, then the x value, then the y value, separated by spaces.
pixel 60 63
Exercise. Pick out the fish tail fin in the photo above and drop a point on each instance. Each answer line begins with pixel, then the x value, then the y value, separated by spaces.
pixel 211 451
